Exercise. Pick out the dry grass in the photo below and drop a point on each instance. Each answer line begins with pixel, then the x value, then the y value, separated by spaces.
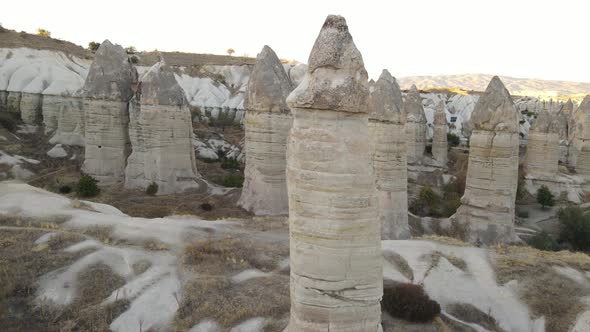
pixel 218 299
pixel 444 240
pixel 400 264
pixel 456 261
pixel 103 234
pixel 470 314
pixel 47 222
pixel 542 289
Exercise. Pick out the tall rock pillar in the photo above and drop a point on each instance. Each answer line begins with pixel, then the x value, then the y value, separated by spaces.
pixel 388 149
pixel 160 130
pixel 267 125
pixel 335 235
pixel 415 126
pixel 107 91
pixel 582 139
pixel 439 139
pixel 492 175
pixel 542 155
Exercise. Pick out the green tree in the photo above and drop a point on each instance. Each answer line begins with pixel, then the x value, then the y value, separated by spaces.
pixel 131 50
pixel 43 33
pixel 87 186
pixel 453 139
pixel 93 46
pixel 574 228
pixel 545 197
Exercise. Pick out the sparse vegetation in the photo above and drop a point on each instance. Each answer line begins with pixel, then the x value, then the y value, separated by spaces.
pixel 134 59
pixel 431 204
pixel 43 33
pixel 206 207
pixel 87 186
pixel 93 46
pixel 409 302
pixel 230 180
pixel 152 189
pixel 545 197
pixel 544 241
pixel 522 213
pixel 65 189
pixel 230 51
pixel 453 140
pixel 230 163
pixel 8 120
pixel 130 50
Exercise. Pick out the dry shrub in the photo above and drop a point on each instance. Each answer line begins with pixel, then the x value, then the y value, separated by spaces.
pixel 63 240
pixel 218 299
pixel 470 314
pixel 103 234
pixel 456 261
pixel 46 222
pixel 154 245
pixel 409 302
pixel 399 263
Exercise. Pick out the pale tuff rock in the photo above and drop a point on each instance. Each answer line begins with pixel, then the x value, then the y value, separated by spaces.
pixel 388 149
pixel 106 92
pixel 160 130
pixel 13 102
pixel 439 138
pixel 3 101
pixel 582 139
pixel 335 247
pixel 488 204
pixel 51 109
pixel 267 125
pixel 542 155
pixel 415 126
pixel 568 107
pixel 70 121
pixel 30 107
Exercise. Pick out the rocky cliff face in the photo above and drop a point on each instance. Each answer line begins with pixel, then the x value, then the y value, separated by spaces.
pixel 336 277
pixel 160 131
pixel 106 93
pixel 267 125
pixel 388 149
pixel 488 204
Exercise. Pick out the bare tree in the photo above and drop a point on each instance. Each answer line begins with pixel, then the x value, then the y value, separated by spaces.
pixel 230 51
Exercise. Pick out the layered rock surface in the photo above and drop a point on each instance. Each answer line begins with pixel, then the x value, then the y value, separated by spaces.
pixel 335 247
pixel 388 149
pixel 439 138
pixel 160 131
pixel 267 124
pixel 542 156
pixel 30 107
pixel 107 91
pixel 582 139
pixel 488 204
pixel 415 126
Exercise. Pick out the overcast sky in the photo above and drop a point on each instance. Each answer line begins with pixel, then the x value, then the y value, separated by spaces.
pixel 521 38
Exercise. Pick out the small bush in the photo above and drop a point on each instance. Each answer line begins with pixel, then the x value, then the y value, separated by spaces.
pixel 522 213
pixel 43 33
pixel 8 121
pixel 545 197
pixel 574 228
pixel 453 140
pixel 230 163
pixel 152 189
pixel 544 241
pixel 65 189
pixel 206 207
pixel 409 302
pixel 134 59
pixel 93 46
pixel 231 180
pixel 87 186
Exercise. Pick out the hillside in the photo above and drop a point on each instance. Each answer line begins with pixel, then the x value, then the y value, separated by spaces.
pixel 517 86
pixel 13 39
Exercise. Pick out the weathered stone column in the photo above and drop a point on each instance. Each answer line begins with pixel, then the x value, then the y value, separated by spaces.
pixel 439 139
pixel 267 125
pixel 68 117
pixel 107 91
pixel 582 139
pixel 415 126
pixel 13 101
pixel 388 149
pixel 542 155
pixel 492 175
pixel 50 111
pixel 335 247
pixel 30 107
pixel 160 129
pixel 3 101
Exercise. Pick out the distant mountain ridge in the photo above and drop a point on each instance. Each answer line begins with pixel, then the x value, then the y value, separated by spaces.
pixel 517 86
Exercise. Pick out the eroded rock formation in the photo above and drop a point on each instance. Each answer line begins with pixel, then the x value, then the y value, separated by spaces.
pixel 488 204
pixel 13 101
pixel 439 137
pixel 388 149
pixel 267 125
pixel 582 139
pixel 107 91
pixel 30 107
pixel 542 155
pixel 415 126
pixel 335 247
pixel 160 130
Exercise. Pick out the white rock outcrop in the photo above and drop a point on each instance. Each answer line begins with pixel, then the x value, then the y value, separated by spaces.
pixel 160 130
pixel 488 204
pixel 267 124
pixel 335 236
pixel 388 149
pixel 415 126
pixel 107 91
pixel 30 107
pixel 439 138
pixel 69 120
pixel 542 155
